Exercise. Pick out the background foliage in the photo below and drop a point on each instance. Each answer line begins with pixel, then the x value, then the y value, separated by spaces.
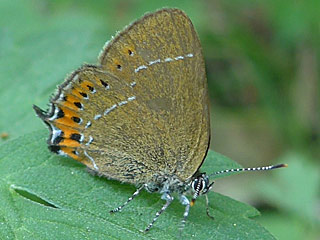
pixel 262 62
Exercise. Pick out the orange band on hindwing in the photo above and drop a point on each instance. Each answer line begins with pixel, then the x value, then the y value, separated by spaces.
pixel 70 118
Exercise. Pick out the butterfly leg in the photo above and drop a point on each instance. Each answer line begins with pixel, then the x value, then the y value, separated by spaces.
pixel 136 193
pixel 207 207
pixel 169 199
pixel 184 201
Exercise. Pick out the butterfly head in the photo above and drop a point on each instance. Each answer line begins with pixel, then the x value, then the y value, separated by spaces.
pixel 200 186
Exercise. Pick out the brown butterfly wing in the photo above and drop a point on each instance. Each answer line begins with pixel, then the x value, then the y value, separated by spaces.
pixel 148 112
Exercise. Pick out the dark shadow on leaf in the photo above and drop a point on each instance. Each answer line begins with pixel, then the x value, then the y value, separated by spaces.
pixel 32 196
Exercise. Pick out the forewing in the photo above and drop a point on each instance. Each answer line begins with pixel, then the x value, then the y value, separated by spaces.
pixel 161 56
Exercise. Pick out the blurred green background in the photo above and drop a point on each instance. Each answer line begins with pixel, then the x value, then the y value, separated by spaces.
pixel 262 61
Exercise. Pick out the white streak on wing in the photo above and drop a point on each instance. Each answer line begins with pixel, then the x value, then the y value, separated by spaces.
pixel 55 114
pixel 55 132
pixel 91 159
pixel 179 58
pixel 80 121
pixel 109 109
pixel 189 55
pixel 140 68
pixel 96 117
pixel 133 84
pixel 61 97
pixel 131 98
pixel 122 103
pixel 62 153
pixel 90 140
pixel 88 124
pixel 81 138
pixel 155 61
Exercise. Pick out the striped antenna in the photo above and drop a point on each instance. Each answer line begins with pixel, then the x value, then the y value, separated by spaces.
pixel 249 169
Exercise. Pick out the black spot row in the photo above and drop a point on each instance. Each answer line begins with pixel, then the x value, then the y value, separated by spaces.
pixel 57 140
pixel 60 114
pixel 76 137
pixel 78 105
pixel 54 148
pixel 83 94
pixel 75 152
pixel 76 119
pixel 104 83
pixel 90 88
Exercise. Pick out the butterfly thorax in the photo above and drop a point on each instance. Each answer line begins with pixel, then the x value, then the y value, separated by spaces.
pixel 168 184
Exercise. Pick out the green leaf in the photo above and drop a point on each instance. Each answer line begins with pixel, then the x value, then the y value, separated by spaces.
pixel 300 198
pixel 38 50
pixel 45 196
